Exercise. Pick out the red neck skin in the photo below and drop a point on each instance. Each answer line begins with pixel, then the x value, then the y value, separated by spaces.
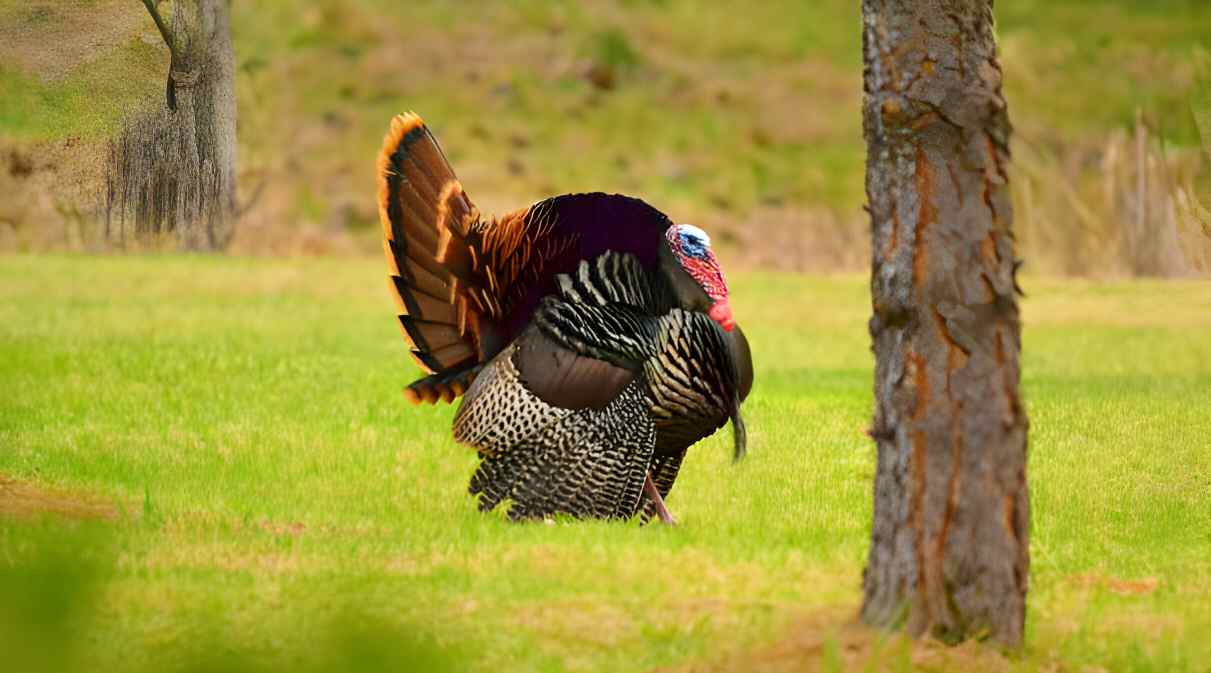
pixel 702 266
pixel 721 312
pixel 709 276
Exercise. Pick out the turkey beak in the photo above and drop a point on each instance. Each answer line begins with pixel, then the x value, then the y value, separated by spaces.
pixel 721 312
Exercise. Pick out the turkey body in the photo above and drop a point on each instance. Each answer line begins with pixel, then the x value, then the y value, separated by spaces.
pixel 589 336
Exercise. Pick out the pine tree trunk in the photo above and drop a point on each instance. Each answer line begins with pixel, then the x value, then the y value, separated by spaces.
pixel 949 553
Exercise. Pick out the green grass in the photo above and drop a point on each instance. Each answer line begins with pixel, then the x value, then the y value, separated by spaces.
pixel 281 504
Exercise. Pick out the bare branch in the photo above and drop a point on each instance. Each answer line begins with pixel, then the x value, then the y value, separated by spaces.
pixel 170 92
pixel 165 31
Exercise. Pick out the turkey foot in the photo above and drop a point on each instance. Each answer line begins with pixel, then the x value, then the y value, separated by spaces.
pixel 649 489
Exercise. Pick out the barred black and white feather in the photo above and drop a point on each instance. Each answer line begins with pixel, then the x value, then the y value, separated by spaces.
pixel 607 385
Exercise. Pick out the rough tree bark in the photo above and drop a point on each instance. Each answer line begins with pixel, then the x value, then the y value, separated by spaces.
pixel 949 553
pixel 173 170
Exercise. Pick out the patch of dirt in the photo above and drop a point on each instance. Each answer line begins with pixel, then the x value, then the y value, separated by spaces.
pixel 50 38
pixel 21 499
pixel 601 625
pixel 292 529
pixel 1122 587
pixel 833 640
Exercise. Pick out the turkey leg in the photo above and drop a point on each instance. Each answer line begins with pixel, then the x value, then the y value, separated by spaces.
pixel 649 488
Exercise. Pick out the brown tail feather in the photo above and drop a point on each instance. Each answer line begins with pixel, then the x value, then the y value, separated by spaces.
pixel 426 217
pixel 445 387
pixel 455 217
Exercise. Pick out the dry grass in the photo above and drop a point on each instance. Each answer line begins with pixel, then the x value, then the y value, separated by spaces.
pixel 27 500
pixel 1125 206
pixel 833 641
pixel 1122 587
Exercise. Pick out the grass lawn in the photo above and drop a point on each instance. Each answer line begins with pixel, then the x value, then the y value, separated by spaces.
pixel 243 487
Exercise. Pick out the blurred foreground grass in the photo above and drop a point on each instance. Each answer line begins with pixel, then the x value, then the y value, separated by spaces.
pixel 238 485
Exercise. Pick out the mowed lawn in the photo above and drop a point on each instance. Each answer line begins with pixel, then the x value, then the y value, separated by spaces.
pixel 239 480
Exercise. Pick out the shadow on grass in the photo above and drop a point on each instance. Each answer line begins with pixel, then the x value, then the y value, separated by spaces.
pixel 53 579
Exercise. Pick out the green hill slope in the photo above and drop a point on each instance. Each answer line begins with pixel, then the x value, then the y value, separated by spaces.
pixel 746 124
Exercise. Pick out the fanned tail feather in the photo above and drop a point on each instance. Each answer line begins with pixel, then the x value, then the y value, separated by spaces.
pixel 445 387
pixel 426 218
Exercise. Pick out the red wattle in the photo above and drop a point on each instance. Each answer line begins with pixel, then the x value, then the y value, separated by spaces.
pixel 721 313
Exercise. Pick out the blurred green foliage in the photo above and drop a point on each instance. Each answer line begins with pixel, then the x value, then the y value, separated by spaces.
pixel 49 581
pixel 1200 108
pixel 613 48
pixel 55 580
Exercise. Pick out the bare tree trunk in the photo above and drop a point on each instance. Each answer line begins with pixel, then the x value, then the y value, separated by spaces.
pixel 949 553
pixel 173 170
pixel 215 115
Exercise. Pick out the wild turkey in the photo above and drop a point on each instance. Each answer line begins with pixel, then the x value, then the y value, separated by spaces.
pixel 590 337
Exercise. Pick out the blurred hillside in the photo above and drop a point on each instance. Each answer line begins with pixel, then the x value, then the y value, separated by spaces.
pixel 747 125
